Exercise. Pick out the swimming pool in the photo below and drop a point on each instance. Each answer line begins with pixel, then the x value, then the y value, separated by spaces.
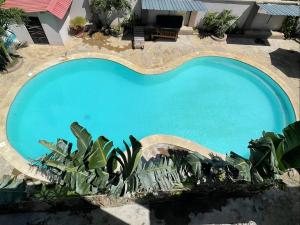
pixel 217 102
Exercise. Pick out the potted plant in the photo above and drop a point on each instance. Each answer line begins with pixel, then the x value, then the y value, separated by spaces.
pixel 218 23
pixel 77 26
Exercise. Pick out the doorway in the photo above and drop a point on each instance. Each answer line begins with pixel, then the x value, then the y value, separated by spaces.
pixel 36 31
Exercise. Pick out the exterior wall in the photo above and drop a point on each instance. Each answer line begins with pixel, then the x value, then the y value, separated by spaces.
pixel 239 9
pixel 55 29
pixel 51 26
pixel 21 32
pixel 266 22
pixel 64 30
pixel 80 8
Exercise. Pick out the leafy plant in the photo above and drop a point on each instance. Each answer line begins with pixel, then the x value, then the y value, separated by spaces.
pixel 289 27
pixel 157 174
pixel 98 167
pixel 92 167
pixel 49 193
pixel 219 23
pixel 280 152
pixel 270 155
pixel 77 24
pixel 106 8
pixel 82 170
pixel 4 56
pixel 9 17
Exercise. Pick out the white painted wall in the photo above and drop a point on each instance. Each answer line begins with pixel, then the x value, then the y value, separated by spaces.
pixel 64 30
pixel 80 8
pixel 21 32
pixel 266 22
pixel 55 29
pixel 51 26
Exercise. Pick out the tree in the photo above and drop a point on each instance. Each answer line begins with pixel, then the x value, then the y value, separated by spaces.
pixel 7 18
pixel 107 7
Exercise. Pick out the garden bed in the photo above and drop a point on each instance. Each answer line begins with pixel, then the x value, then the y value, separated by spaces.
pixel 14 65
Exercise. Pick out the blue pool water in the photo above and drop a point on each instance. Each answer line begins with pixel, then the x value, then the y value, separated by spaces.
pixel 217 102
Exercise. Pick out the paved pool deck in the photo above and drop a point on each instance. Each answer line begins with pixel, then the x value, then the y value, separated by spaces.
pixel 281 59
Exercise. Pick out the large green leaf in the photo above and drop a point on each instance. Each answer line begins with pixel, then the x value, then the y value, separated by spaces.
pixel 101 179
pixel 84 139
pixel 291 146
pixel 157 174
pixel 53 147
pixel 241 164
pixel 134 154
pixel 100 149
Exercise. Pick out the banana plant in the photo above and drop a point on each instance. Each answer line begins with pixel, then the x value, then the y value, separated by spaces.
pixel 130 162
pixel 273 154
pixel 83 170
pixel 92 167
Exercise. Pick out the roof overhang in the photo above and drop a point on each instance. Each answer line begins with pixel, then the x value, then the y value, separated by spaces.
pixel 273 9
pixel 57 8
pixel 173 5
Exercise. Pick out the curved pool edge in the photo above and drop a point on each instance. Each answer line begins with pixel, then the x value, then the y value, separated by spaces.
pixel 22 165
pixel 176 141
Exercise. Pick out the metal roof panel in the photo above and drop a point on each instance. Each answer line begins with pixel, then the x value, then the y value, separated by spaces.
pixel 280 9
pixel 173 5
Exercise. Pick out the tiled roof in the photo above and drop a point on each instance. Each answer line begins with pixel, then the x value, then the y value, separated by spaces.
pixel 58 8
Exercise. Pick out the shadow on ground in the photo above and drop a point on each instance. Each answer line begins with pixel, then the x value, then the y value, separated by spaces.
pixel 271 207
pixel 247 41
pixel 288 61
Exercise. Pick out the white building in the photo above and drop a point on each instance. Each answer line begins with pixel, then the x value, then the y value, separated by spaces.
pixel 48 19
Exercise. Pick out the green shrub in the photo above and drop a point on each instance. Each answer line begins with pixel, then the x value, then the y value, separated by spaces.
pixel 77 22
pixel 77 25
pixel 219 23
pixel 289 27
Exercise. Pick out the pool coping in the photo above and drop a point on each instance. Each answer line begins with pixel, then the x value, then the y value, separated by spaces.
pixel 22 165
